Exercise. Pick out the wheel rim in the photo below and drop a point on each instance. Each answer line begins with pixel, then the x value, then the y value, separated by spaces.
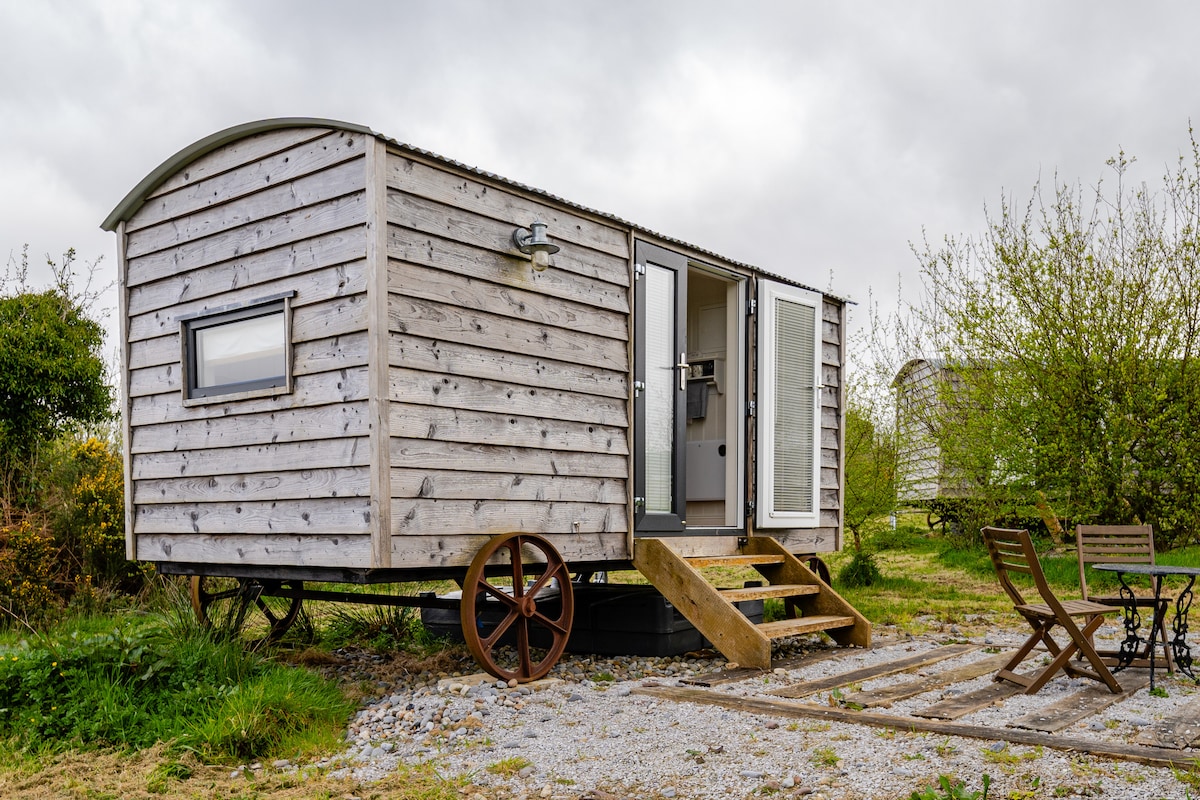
pixel 511 632
pixel 249 607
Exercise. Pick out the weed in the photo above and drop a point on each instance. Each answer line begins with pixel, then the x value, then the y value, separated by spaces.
pixel 824 757
pixel 945 749
pixel 509 767
pixel 1007 757
pixel 953 790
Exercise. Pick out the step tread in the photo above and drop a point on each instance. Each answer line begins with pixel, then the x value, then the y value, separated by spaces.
pixel 773 590
pixel 734 561
pixel 791 627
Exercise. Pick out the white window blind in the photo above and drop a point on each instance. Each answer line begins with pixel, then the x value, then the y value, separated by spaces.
pixel 789 397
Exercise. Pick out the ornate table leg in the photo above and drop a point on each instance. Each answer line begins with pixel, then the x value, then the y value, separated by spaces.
pixel 1179 645
pixel 1132 620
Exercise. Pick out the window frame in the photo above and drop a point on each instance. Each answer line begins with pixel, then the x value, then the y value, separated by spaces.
pixel 268 386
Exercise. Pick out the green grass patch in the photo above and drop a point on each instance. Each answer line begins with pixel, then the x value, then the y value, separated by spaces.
pixel 147 679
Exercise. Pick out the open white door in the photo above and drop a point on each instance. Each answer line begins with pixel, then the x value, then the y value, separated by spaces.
pixel 789 407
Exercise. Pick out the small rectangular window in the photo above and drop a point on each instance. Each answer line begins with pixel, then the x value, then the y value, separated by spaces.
pixel 243 351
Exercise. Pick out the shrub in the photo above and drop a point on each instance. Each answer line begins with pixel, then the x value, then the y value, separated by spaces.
pixel 89 524
pixel 28 570
pixel 860 571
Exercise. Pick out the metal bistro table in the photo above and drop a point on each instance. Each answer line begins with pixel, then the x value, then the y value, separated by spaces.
pixel 1180 651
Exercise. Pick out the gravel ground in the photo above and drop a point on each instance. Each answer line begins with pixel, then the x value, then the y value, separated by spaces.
pixel 586 733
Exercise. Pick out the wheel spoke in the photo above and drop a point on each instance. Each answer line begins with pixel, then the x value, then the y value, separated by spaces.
pixel 501 629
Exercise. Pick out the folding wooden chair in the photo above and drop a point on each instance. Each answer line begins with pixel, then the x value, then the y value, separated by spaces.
pixel 1124 544
pixel 1012 551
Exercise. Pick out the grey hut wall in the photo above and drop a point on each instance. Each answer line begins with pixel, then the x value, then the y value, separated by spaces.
pixel 508 388
pixel 281 480
pixel 505 400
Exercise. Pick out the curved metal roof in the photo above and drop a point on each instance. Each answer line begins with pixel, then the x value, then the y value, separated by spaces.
pixel 137 196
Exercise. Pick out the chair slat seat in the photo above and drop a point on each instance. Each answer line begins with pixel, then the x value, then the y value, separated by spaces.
pixel 1074 608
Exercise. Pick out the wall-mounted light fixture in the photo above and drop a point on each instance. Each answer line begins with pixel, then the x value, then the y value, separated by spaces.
pixel 533 242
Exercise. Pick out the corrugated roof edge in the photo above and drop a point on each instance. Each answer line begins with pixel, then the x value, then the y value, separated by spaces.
pixel 137 196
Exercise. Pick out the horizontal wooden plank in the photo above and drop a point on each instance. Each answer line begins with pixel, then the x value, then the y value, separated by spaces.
pixel 453 358
pixel 873 672
pixel 772 590
pixel 236 153
pixel 452 391
pixel 699 562
pixel 288 228
pixel 276 169
pixel 465 425
pixel 448 221
pixel 426 249
pixel 267 427
pixel 807 540
pixel 1179 730
pixel 264 267
pixel 324 516
pixel 292 550
pixel 288 456
pixel 246 212
pixel 456 549
pixel 420 516
pixel 314 286
pixel 782 628
pixel 505 301
pixel 424 454
pixel 451 323
pixel 1068 710
pixel 1159 757
pixel 166 405
pixel 885 696
pixel 503 203
pixel 293 485
pixel 461 485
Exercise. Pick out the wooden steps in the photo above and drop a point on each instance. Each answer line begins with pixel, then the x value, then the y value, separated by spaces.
pixel 813 606
pixel 763 592
pixel 794 627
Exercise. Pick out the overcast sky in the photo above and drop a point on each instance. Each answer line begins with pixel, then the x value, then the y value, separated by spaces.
pixel 814 139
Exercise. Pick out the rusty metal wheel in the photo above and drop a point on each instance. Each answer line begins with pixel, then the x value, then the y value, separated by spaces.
pixel 821 568
pixel 246 607
pixel 516 630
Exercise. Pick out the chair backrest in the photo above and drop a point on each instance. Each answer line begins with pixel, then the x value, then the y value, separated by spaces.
pixel 1012 551
pixel 1112 544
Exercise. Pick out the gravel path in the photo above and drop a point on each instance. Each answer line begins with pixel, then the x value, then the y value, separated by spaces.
pixel 586 733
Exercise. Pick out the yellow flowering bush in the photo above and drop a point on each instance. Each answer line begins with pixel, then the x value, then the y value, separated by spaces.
pixel 28 566
pixel 97 510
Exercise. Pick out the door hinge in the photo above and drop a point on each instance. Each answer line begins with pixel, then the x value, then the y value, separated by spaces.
pixel 749 508
pixel 639 502
pixel 751 407
pixel 638 271
pixel 751 307
pixel 639 387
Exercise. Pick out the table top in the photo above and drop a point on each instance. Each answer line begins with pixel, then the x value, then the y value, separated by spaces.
pixel 1155 570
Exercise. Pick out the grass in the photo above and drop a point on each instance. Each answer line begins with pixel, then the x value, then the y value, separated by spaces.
pixel 144 704
pixel 147 679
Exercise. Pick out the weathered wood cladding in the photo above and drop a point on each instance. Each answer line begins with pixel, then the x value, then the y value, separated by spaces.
pixel 499 397
pixel 509 389
pixel 274 480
